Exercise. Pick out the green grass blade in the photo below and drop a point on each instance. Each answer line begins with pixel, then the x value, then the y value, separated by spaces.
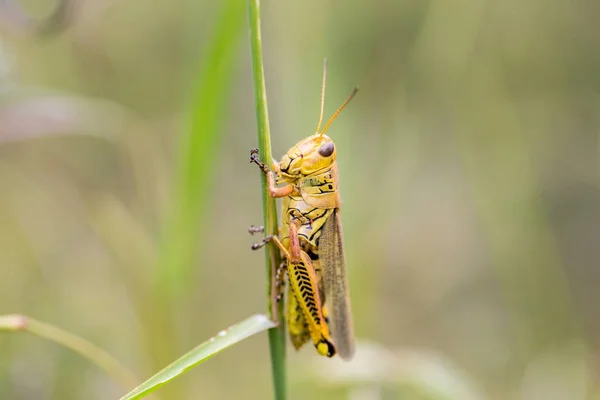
pixel 272 257
pixel 224 339
pixel 197 152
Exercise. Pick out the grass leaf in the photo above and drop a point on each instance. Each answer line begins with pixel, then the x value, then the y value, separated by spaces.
pixel 224 339
pixel 197 153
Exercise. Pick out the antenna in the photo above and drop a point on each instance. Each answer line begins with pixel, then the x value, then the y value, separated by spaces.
pixel 344 104
pixel 322 93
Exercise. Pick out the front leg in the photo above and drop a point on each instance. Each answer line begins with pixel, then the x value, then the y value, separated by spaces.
pixel 254 158
pixel 274 191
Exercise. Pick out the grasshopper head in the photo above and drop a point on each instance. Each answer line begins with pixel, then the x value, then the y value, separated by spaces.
pixel 310 155
pixel 316 152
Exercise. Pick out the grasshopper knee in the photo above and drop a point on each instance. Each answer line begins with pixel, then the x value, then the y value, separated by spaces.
pixel 325 347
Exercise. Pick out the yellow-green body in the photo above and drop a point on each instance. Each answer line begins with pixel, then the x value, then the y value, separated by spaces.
pixel 313 200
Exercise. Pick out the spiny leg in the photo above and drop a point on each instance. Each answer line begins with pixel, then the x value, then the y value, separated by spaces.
pixel 277 279
pixel 303 281
pixel 277 289
pixel 280 280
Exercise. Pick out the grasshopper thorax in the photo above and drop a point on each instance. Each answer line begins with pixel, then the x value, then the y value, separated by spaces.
pixel 311 155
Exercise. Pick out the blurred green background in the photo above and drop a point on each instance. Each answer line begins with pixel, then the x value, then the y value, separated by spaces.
pixel 469 173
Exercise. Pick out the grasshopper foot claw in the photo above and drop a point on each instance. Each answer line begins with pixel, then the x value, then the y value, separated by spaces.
pixel 255 229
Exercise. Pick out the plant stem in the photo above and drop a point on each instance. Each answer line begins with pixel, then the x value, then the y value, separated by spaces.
pixel 273 257
pixel 99 357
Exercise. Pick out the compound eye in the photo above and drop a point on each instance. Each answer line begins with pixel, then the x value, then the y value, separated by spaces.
pixel 326 150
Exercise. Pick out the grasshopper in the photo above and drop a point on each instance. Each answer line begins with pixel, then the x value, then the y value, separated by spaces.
pixel 310 240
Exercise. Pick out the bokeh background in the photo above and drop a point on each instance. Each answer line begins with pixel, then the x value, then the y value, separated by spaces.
pixel 469 173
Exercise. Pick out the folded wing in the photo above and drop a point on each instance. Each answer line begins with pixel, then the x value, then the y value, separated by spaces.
pixel 337 296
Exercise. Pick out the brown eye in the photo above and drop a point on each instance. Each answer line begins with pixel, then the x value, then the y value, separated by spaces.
pixel 326 150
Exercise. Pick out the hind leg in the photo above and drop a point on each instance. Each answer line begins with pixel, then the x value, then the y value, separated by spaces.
pixel 303 283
